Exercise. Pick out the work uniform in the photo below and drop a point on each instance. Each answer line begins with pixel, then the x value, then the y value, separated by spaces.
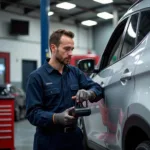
pixel 50 92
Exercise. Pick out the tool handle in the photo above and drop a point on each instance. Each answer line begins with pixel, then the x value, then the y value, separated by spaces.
pixel 79 112
pixel 82 112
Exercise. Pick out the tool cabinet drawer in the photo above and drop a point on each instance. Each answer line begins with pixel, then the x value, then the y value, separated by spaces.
pixel 7 123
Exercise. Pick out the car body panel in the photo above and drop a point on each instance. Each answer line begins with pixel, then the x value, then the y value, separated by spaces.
pixel 96 131
pixel 114 103
pixel 126 83
pixel 138 7
pixel 141 95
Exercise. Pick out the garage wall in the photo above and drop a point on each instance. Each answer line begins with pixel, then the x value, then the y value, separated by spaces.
pixel 101 35
pixel 28 47
pixel 82 39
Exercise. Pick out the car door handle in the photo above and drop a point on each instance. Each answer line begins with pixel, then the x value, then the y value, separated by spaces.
pixel 126 76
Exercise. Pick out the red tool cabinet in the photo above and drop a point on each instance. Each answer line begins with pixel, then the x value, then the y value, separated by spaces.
pixel 7 123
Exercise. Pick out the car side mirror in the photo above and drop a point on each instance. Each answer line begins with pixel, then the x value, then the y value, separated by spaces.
pixel 86 65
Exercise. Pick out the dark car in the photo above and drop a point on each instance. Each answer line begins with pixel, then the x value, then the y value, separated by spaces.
pixel 19 95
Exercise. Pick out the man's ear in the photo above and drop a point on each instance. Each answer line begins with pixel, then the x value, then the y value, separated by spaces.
pixel 53 47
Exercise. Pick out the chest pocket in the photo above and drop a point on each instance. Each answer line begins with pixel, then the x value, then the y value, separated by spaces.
pixel 74 89
pixel 52 91
pixel 52 97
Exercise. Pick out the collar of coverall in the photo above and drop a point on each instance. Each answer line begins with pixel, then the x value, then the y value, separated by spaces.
pixel 50 69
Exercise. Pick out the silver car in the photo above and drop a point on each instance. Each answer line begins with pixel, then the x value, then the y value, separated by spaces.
pixel 121 120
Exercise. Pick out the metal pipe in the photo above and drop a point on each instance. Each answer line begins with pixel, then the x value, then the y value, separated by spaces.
pixel 44 8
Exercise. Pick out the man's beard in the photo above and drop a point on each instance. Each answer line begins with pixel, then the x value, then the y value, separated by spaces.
pixel 60 59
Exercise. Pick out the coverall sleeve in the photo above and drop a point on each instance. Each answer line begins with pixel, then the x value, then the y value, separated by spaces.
pixel 34 104
pixel 87 83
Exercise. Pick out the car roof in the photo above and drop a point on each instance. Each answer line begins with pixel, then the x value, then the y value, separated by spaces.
pixel 138 5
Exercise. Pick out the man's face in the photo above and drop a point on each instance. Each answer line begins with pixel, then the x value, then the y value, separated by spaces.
pixel 63 52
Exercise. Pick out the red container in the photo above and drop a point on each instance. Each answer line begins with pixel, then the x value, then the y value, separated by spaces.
pixel 7 123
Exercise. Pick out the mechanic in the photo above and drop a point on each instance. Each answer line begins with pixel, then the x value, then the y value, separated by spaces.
pixel 51 93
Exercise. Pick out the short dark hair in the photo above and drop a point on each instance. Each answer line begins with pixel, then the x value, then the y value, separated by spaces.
pixel 56 36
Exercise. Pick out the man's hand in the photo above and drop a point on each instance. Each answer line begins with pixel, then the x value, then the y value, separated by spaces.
pixel 84 95
pixel 64 118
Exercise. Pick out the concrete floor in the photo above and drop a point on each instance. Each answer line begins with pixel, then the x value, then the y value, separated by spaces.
pixel 24 133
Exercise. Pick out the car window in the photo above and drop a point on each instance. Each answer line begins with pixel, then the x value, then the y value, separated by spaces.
pixel 130 36
pixel 115 52
pixel 112 52
pixel 12 89
pixel 144 26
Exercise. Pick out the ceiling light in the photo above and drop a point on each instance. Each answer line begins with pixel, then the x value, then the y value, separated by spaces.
pixel 89 23
pixel 50 13
pixel 103 1
pixel 105 15
pixel 66 5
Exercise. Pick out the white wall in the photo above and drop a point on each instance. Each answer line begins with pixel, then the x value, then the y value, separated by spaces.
pixel 28 47
pixel 81 39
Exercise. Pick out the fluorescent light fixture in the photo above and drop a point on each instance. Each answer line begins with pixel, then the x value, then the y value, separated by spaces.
pixel 105 15
pixel 66 5
pixel 50 13
pixel 104 1
pixel 89 23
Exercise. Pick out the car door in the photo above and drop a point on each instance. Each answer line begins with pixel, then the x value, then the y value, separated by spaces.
pixel 120 84
pixel 96 123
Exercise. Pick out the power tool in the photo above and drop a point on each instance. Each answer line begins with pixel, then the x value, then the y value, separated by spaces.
pixel 80 110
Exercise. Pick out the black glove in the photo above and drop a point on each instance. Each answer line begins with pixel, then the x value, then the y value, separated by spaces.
pixel 84 95
pixel 64 118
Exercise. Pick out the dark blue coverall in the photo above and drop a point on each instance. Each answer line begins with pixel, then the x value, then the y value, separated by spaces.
pixel 50 92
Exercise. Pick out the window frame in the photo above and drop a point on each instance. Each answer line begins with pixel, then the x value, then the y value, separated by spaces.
pixel 106 54
pixel 121 57
pixel 108 51
pixel 140 14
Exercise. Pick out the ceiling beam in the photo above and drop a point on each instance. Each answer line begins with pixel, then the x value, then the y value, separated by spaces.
pixel 6 3
pixel 94 9
pixel 132 1
pixel 53 3
pixel 99 20
pixel 85 10
pixel 28 10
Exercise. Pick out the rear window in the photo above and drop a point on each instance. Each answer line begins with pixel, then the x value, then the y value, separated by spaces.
pixel 144 27
pixel 130 36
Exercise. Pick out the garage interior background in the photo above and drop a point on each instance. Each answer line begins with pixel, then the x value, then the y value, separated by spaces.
pixel 28 47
